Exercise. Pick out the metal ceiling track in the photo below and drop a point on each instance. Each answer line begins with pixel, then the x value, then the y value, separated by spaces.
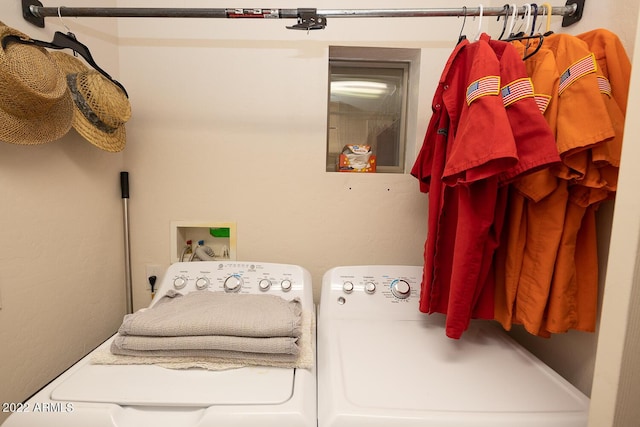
pixel 307 19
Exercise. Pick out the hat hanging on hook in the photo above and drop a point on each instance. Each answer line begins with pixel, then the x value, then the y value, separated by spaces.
pixel 35 105
pixel 100 108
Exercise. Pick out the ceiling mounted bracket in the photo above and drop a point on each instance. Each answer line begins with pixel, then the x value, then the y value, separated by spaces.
pixel 308 19
pixel 575 16
pixel 28 15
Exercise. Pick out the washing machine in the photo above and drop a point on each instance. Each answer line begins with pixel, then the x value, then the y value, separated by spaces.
pixel 96 395
pixel 382 363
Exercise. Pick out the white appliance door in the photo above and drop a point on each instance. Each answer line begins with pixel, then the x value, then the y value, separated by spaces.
pixel 409 370
pixel 149 385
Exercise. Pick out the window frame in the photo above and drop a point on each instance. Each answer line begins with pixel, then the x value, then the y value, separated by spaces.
pixel 340 61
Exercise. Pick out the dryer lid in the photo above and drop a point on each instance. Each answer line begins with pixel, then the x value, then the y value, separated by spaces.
pixel 150 385
pixel 412 366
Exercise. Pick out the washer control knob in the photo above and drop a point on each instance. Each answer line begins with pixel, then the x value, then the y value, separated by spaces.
pixel 400 289
pixel 233 283
pixel 264 285
pixel 370 288
pixel 347 287
pixel 202 283
pixel 285 285
pixel 180 282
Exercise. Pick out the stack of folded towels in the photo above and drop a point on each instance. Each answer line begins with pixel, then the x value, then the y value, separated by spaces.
pixel 257 329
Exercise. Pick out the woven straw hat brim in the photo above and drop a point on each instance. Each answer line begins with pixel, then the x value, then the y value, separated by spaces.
pixel 107 94
pixel 101 110
pixel 112 142
pixel 38 129
pixel 34 107
pixel 69 64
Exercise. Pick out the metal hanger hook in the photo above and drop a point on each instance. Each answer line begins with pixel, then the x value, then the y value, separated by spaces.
pixel 549 11
pixel 534 6
pixel 514 15
pixel 527 15
pixel 542 14
pixel 506 18
pixel 67 28
pixel 477 37
pixel 522 28
pixel 464 20
pixel 62 20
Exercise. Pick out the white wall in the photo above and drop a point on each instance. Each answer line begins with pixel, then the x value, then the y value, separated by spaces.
pixel 61 260
pixel 616 381
pixel 228 124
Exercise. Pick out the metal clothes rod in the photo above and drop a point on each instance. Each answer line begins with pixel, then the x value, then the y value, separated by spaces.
pixel 34 12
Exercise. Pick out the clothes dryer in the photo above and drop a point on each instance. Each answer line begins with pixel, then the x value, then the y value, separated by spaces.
pixel 382 363
pixel 134 395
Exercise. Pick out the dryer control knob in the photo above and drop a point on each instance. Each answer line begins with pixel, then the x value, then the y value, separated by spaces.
pixel 264 285
pixel 285 285
pixel 233 283
pixel 370 288
pixel 202 283
pixel 180 282
pixel 400 289
pixel 347 287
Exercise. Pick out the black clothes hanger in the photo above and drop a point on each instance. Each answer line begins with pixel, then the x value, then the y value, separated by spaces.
pixel 534 6
pixel 464 20
pixel 531 36
pixel 506 18
pixel 65 41
pixel 540 38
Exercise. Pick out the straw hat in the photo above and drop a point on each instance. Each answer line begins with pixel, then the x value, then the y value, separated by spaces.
pixel 35 105
pixel 100 108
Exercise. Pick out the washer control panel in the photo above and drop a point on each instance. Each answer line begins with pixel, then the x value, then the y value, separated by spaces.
pixel 374 290
pixel 285 280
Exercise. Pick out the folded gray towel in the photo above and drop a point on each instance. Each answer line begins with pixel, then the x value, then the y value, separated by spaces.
pixel 103 355
pixel 257 358
pixel 275 345
pixel 217 313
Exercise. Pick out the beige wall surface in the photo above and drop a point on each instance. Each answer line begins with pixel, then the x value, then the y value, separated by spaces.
pixel 61 228
pixel 616 381
pixel 228 125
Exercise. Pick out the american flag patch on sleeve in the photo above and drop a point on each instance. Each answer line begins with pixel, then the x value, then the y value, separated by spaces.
pixel 543 102
pixel 489 85
pixel 604 86
pixel 516 90
pixel 580 68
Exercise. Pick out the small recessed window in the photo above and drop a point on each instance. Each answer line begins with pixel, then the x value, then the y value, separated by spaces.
pixel 367 107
